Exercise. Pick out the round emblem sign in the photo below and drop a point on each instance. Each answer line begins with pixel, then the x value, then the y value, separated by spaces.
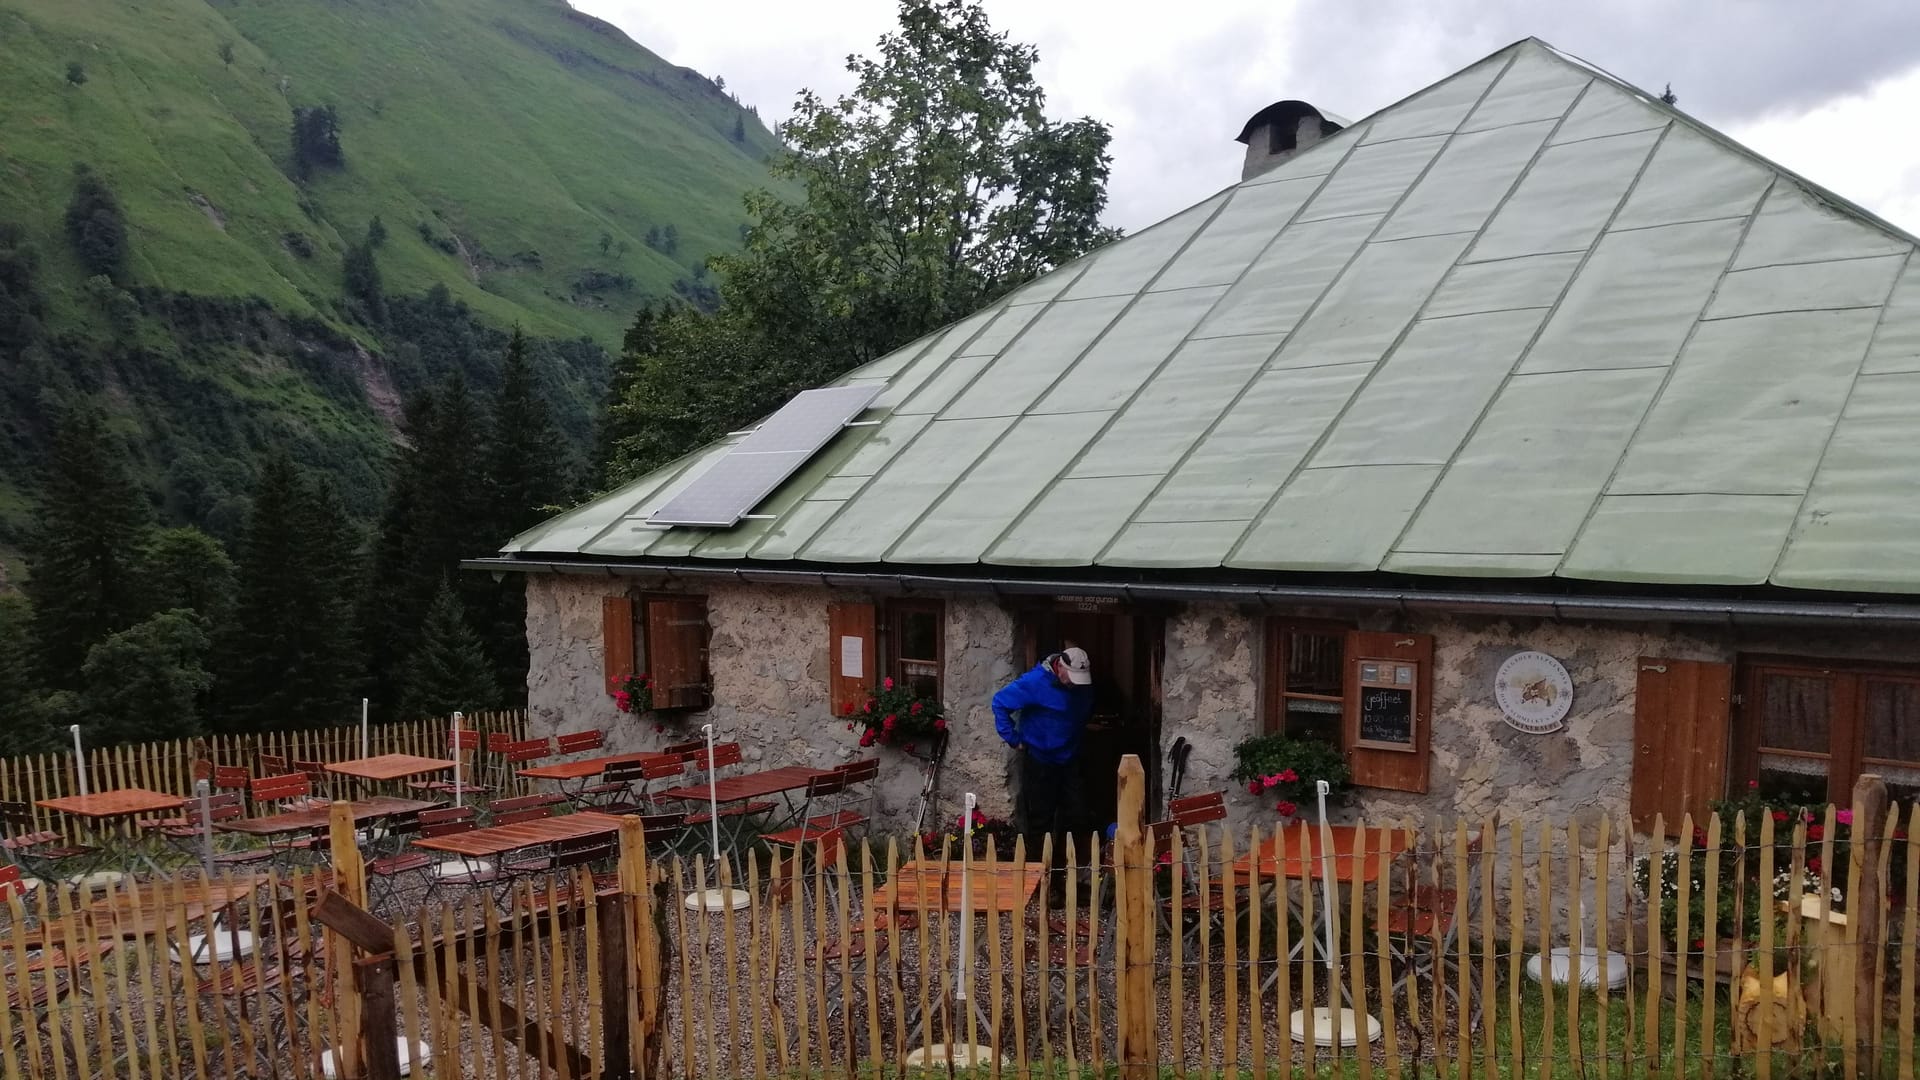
pixel 1534 691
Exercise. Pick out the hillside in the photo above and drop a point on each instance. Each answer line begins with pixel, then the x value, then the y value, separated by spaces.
pixel 520 156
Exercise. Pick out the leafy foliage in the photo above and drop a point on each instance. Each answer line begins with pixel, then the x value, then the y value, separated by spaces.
pixel 1284 771
pixel 23 308
pixel 96 226
pixel 896 716
pixel 936 186
pixel 147 681
pixel 360 282
pixel 185 568
pixel 447 672
pixel 22 732
pixel 76 73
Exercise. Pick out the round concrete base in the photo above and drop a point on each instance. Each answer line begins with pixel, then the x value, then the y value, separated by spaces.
pixel 330 1070
pixel 1560 966
pixel 1325 1025
pixel 718 900
pixel 226 945
pixel 940 1055
pixel 459 868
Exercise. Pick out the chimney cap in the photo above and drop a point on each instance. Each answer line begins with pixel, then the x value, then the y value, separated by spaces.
pixel 1289 113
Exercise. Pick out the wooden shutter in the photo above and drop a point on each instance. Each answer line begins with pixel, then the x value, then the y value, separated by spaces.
pixel 1680 725
pixel 850 655
pixel 616 638
pixel 1397 770
pixel 677 652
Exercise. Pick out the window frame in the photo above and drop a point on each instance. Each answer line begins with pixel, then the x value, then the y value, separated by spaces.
pixel 643 657
pixel 890 629
pixel 1846 750
pixel 1273 688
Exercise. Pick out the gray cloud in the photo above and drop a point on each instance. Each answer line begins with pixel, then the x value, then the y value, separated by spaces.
pixel 1728 60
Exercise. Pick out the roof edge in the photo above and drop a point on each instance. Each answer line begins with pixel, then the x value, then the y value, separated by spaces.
pixel 1729 612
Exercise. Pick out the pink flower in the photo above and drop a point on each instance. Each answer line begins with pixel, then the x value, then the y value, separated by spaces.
pixel 1844 817
pixel 887 683
pixel 939 724
pixel 916 709
pixel 1288 776
pixel 908 748
pixel 866 737
pixel 657 728
pixel 623 701
pixel 1753 785
pixel 1816 832
pixel 1253 787
pixel 1286 809
pixel 887 724
pixel 1270 781
pixel 1780 817
pixel 849 727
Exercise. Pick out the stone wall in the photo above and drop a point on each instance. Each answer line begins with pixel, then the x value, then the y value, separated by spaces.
pixel 769 661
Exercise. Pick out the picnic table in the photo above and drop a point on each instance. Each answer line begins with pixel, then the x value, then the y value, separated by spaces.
pixel 382 767
pixel 104 806
pixel 151 912
pixel 930 887
pixel 1313 862
pixel 579 772
pixel 379 806
pixel 747 787
pixel 497 840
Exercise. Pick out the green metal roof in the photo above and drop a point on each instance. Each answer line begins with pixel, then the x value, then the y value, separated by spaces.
pixel 1528 322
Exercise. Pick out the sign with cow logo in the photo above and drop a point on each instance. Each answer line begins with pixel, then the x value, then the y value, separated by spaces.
pixel 1534 691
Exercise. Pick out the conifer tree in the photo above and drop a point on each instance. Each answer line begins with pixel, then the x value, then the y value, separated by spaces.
pixel 85 582
pixel 289 657
pixel 527 473
pixel 447 669
pixel 436 515
pixel 22 731
pixel 96 226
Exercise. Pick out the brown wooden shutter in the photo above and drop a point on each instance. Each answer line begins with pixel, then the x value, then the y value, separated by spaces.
pixel 1397 770
pixel 677 652
pixel 1680 730
pixel 850 643
pixel 616 638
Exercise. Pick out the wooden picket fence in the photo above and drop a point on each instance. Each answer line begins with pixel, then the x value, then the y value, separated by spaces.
pixel 1167 953
pixel 168 766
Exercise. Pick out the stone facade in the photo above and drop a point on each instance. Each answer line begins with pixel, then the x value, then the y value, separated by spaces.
pixel 769 662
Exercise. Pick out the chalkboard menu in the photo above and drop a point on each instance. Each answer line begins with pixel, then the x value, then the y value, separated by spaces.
pixel 1389 713
pixel 1386 715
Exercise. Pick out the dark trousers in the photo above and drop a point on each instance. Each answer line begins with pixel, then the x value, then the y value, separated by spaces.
pixel 1049 804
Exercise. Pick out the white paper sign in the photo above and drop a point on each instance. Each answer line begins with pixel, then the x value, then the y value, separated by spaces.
pixel 852 662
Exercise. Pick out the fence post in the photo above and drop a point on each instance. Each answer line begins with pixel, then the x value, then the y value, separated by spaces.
pixel 350 881
pixel 373 978
pixel 1864 903
pixel 639 1005
pixel 1135 910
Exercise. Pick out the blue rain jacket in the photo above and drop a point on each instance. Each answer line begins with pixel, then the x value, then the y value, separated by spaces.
pixel 1052 715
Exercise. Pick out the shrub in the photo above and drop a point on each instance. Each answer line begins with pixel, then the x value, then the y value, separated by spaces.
pixel 1285 770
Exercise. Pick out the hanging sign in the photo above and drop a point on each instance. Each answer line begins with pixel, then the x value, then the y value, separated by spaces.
pixel 1534 691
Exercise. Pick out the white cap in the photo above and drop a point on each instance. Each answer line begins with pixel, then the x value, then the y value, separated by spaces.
pixel 1079 668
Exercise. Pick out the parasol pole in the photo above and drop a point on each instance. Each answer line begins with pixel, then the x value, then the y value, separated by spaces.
pixel 713 797
pixel 1321 788
pixel 453 743
pixel 204 791
pixel 363 729
pixel 79 759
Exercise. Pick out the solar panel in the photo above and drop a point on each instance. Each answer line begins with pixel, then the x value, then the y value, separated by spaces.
pixel 750 471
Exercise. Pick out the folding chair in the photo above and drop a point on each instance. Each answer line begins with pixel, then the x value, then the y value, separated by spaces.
pixel 579 742
pixel 318 778
pixel 567 854
pixel 290 792
pixel 524 752
pixel 854 806
pixel 822 830
pixel 1423 926
pixel 386 874
pixel 196 829
pixel 615 788
pixel 43 852
pixel 693 746
pixel 498 775
pixel 524 808
pixel 463 744
pixel 468 872
pixel 733 815
pixel 273 764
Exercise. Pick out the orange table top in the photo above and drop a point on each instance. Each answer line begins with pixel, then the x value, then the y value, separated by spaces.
pixel 390 766
pixel 298 820
pixel 1010 889
pixel 118 803
pixel 588 767
pixel 1299 862
pixel 755 785
pixel 500 839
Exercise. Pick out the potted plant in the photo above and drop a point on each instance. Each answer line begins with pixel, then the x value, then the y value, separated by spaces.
pixel 896 716
pixel 634 694
pixel 1283 771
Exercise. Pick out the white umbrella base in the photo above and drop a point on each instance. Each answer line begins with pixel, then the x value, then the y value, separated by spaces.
pixel 331 1071
pixel 960 1055
pixel 1560 963
pixel 227 945
pixel 1326 1024
pixel 718 900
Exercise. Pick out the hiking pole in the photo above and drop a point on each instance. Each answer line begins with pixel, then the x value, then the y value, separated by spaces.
pixel 939 753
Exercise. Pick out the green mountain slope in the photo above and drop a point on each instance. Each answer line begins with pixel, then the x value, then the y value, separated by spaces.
pixel 518 153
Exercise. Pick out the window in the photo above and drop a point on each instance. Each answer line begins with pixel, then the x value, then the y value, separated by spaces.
pixel 664 636
pixel 1811 728
pixel 914 645
pixel 1305 671
pixel 1369 693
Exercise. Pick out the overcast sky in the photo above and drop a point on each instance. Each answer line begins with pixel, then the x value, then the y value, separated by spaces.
pixel 1832 95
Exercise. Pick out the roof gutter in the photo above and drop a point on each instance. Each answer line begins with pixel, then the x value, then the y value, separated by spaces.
pixel 1638 608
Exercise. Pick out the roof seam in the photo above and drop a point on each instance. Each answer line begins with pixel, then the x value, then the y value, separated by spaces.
pixel 1597 138
pixel 1066 369
pixel 1696 494
pixel 1666 379
pixel 1582 370
pixel 1081 454
pixel 1528 255
pixel 800 548
pixel 1426 301
pixel 1822 262
pixel 1690 221
pixel 1787 311
pixel 1306 316
pixel 1839 417
pixel 1487 311
pixel 1466 439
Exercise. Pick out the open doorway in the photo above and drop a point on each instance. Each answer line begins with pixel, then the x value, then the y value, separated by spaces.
pixel 1125 646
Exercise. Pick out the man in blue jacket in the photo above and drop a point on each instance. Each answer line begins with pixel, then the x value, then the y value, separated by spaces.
pixel 1053 702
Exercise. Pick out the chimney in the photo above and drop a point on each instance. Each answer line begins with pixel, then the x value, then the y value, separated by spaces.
pixel 1280 131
